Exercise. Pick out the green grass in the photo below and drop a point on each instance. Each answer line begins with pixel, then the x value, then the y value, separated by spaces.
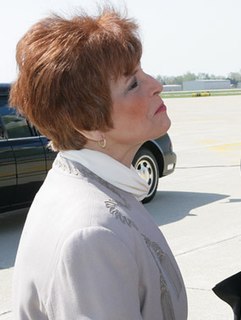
pixel 200 93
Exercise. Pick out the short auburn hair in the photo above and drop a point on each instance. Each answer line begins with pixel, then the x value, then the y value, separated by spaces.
pixel 65 68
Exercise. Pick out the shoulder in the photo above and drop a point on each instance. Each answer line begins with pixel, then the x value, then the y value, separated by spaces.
pixel 95 248
pixel 92 239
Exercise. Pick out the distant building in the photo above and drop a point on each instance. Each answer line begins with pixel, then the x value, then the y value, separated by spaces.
pixel 239 85
pixel 172 87
pixel 206 85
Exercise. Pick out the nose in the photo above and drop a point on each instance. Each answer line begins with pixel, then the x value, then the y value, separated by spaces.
pixel 156 86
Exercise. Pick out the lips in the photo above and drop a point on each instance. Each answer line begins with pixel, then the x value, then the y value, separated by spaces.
pixel 162 108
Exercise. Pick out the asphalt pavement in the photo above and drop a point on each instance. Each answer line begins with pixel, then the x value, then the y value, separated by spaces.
pixel 198 208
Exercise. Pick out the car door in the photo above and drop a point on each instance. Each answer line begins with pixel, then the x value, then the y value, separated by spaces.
pixel 8 178
pixel 29 156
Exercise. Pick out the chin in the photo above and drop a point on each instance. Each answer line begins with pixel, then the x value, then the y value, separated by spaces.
pixel 169 124
pixel 161 129
pixel 165 127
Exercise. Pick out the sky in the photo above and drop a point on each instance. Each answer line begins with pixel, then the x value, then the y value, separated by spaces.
pixel 178 36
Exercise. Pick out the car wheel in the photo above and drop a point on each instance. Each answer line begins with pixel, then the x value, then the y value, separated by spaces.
pixel 147 167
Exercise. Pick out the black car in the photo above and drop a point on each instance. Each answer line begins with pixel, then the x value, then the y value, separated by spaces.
pixel 25 158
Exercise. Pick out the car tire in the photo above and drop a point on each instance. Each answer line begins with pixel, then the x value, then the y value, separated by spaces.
pixel 146 165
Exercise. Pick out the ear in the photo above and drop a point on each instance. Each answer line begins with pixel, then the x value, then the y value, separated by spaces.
pixel 93 135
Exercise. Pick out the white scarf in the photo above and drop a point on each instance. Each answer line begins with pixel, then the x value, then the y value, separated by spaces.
pixel 110 170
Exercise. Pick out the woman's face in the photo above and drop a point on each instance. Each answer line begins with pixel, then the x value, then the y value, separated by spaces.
pixel 139 113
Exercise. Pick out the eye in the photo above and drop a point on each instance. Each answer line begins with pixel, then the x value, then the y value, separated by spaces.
pixel 133 84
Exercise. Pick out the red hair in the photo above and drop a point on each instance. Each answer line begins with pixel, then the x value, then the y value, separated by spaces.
pixel 65 67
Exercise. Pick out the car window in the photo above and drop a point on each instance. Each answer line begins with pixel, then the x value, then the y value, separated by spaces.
pixel 14 125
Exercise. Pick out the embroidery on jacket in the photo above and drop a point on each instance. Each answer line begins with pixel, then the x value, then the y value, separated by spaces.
pixel 161 259
pixel 111 205
pixel 76 169
pixel 164 261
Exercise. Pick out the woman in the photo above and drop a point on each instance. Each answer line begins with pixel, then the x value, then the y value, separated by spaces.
pixel 89 249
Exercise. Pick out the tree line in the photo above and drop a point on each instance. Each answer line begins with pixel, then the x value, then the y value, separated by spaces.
pixel 234 78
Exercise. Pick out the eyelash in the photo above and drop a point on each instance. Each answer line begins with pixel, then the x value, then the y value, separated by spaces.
pixel 133 85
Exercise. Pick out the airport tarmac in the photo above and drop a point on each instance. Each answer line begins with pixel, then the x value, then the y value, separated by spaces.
pixel 198 208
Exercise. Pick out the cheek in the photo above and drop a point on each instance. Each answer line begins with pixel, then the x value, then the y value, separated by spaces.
pixel 137 108
pixel 129 111
pixel 125 111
